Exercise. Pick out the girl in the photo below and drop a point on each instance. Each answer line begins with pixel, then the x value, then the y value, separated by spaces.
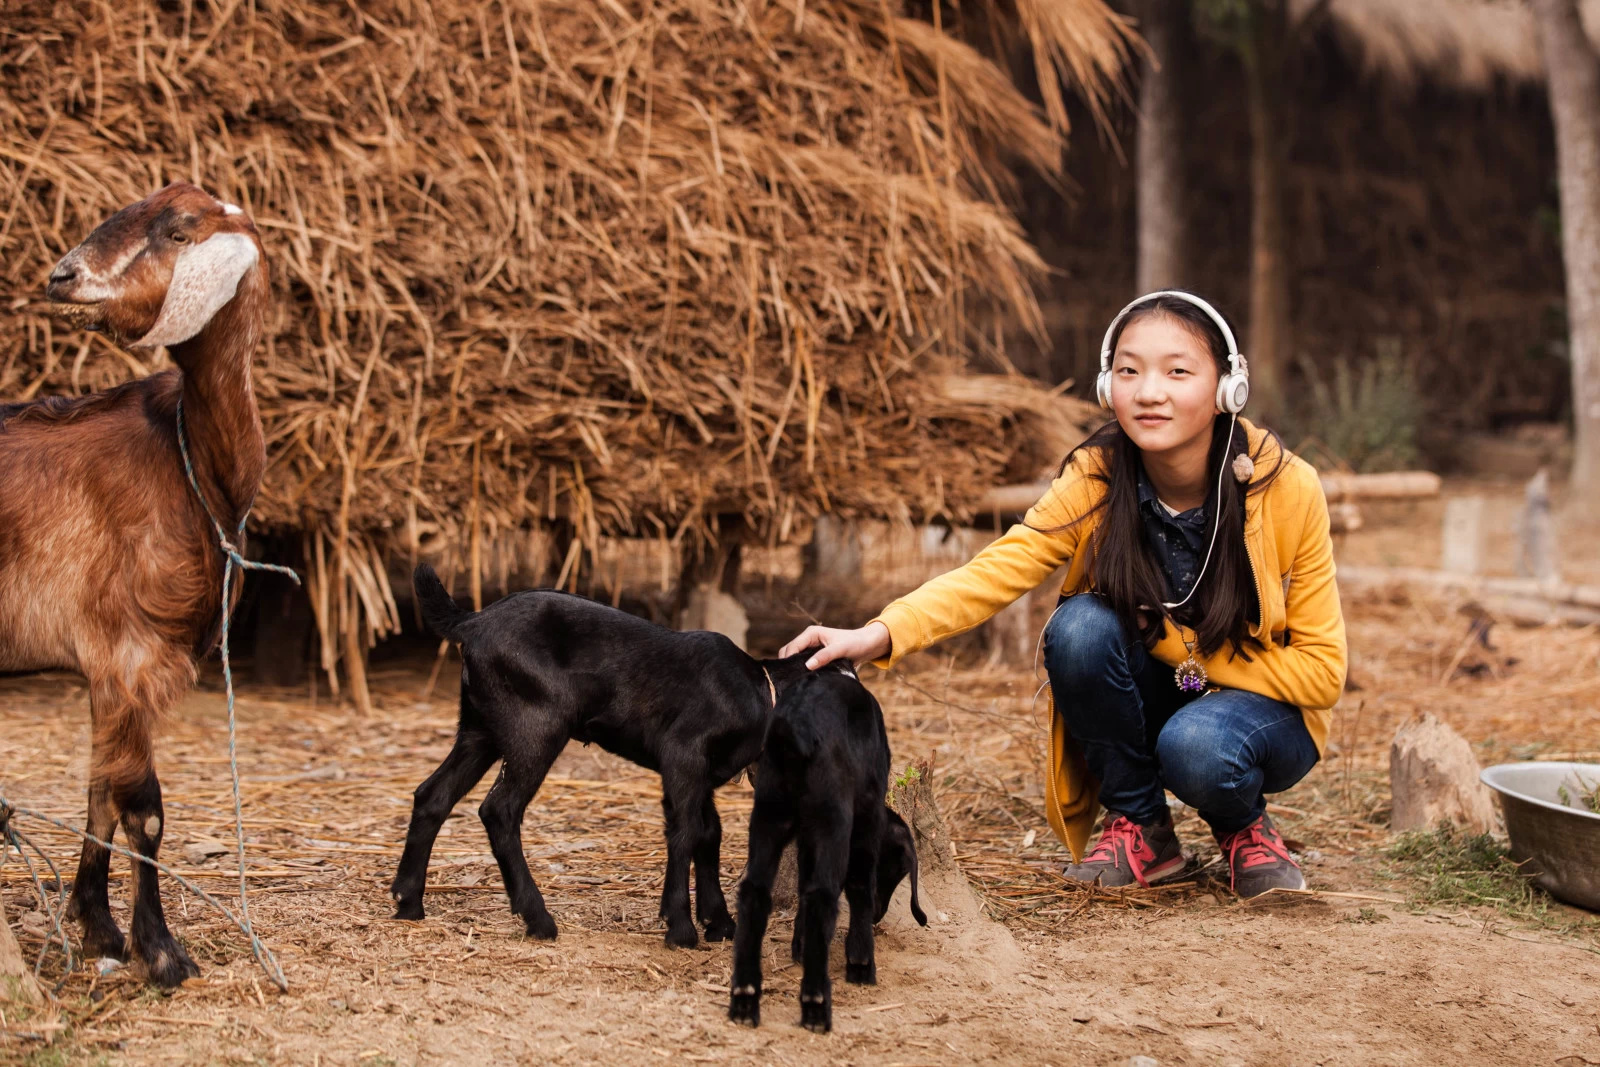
pixel 1198 645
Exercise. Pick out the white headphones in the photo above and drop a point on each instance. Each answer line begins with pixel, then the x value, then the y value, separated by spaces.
pixel 1233 390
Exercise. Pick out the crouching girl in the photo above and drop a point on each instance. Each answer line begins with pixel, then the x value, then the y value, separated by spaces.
pixel 1198 645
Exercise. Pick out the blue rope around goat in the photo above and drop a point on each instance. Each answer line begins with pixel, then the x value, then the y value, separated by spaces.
pixel 234 559
pixel 18 840
pixel 11 837
pixel 264 956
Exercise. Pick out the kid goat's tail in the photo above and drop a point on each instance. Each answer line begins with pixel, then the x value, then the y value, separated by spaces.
pixel 439 610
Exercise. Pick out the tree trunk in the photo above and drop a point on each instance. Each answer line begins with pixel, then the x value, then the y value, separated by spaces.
pixel 1162 192
pixel 16 977
pixel 1269 345
pixel 1574 86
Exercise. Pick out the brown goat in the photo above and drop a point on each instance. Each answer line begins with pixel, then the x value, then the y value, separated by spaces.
pixel 108 564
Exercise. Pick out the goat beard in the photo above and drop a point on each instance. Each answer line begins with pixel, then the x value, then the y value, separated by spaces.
pixel 81 316
pixel 93 317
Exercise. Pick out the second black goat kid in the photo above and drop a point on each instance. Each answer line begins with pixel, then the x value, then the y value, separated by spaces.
pixel 821 781
pixel 540 667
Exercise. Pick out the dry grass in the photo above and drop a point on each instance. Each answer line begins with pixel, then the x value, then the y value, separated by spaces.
pixel 1536 694
pixel 602 268
pixel 327 798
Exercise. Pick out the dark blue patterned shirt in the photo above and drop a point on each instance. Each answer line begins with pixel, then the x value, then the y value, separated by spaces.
pixel 1179 541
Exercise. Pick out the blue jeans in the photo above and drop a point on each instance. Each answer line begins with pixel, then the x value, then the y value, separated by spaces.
pixel 1219 753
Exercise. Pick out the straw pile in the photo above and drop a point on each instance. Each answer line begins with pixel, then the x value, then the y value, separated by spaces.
pixel 595 269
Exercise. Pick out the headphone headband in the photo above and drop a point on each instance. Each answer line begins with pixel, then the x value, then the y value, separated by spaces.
pixel 1212 313
pixel 1234 387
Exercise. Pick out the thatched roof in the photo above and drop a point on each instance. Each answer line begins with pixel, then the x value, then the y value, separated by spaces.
pixel 627 266
pixel 1468 44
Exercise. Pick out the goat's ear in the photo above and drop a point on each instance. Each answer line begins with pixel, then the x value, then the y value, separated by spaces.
pixel 897 857
pixel 204 278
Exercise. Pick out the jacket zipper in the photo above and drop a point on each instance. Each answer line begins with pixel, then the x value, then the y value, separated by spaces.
pixel 1261 600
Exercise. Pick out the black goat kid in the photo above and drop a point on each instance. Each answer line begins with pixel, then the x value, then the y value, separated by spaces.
pixel 539 668
pixel 822 779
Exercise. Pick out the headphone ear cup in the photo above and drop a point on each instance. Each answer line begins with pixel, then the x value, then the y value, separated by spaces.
pixel 1233 391
pixel 1102 389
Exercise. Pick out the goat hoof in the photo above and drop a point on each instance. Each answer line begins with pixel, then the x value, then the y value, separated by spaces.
pixel 541 927
pixel 719 929
pixel 745 1008
pixel 409 909
pixel 682 936
pixel 105 942
pixel 167 964
pixel 861 973
pixel 818 1018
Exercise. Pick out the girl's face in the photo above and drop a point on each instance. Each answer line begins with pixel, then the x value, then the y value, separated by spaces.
pixel 1163 384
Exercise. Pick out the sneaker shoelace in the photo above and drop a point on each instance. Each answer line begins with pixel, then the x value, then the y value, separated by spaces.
pixel 1125 832
pixel 1121 831
pixel 1254 846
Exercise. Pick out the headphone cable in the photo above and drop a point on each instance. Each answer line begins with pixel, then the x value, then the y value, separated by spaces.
pixel 1216 521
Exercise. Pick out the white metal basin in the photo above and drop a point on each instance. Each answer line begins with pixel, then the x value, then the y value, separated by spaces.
pixel 1556 840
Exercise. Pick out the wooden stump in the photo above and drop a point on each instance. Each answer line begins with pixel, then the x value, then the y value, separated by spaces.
pixel 911 794
pixel 1433 777
pixel 955 912
pixel 16 977
pixel 786 886
pixel 1536 549
pixel 1463 535
pixel 1010 633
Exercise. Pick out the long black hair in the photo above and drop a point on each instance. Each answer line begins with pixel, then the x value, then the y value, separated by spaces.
pixel 1122 565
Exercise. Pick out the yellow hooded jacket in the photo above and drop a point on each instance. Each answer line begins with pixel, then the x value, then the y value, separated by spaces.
pixel 1286 536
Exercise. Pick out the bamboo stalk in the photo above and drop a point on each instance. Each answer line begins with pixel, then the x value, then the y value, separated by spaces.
pixel 355 663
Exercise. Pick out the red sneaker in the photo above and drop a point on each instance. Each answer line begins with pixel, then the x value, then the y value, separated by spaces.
pixel 1127 853
pixel 1258 860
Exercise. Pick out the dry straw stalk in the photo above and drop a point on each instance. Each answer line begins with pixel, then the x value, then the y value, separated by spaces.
pixel 547 272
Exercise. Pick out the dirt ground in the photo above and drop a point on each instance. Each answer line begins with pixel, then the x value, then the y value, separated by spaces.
pixel 1356 975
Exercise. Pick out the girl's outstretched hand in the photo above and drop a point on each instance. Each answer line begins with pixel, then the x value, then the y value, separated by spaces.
pixel 870 642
